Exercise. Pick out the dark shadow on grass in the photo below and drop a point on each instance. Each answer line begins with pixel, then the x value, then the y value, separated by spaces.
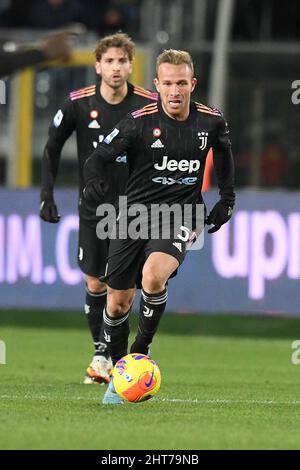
pixel 204 324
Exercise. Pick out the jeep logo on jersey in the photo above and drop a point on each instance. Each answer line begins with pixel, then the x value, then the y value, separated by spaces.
pixel 182 165
pixel 203 139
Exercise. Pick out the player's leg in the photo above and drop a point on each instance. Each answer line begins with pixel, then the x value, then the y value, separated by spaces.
pixel 124 262
pixel 100 367
pixel 116 327
pixel 94 304
pixel 156 272
pixel 116 321
pixel 92 254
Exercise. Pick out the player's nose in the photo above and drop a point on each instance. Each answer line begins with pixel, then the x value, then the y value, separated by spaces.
pixel 116 67
pixel 174 91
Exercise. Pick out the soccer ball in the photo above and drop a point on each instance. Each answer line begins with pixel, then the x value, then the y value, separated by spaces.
pixel 136 377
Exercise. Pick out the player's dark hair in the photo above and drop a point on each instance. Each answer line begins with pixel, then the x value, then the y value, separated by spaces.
pixel 121 40
pixel 175 57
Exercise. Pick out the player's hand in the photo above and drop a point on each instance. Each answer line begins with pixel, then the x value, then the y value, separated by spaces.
pixel 58 46
pixel 48 209
pixel 94 191
pixel 219 215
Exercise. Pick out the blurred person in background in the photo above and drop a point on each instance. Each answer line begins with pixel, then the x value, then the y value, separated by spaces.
pixel 57 46
pixel 92 112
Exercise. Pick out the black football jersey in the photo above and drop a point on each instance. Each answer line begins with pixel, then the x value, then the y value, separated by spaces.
pixel 167 157
pixel 92 118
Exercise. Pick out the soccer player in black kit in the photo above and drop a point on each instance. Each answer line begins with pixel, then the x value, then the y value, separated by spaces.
pixel 92 112
pixel 166 145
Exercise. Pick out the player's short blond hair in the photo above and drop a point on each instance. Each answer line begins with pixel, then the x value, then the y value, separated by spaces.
pixel 121 40
pixel 175 57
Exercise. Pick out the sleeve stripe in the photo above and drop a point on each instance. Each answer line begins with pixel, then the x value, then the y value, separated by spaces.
pixel 148 107
pixel 206 109
pixel 141 113
pixel 202 106
pixel 85 95
pixel 213 113
pixel 83 92
pixel 145 93
pixel 75 95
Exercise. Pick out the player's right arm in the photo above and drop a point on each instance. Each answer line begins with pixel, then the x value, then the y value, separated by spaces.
pixel 118 142
pixel 59 131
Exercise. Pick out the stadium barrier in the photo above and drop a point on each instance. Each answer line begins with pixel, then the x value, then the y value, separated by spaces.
pixel 251 265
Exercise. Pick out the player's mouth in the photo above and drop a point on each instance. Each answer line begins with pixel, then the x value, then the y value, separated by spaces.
pixel 116 77
pixel 174 103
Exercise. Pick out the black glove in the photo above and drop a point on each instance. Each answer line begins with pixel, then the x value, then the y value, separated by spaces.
pixel 48 208
pixel 219 215
pixel 95 190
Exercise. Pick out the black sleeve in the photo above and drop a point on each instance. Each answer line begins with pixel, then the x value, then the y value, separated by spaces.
pixel 59 131
pixel 223 164
pixel 119 141
pixel 12 61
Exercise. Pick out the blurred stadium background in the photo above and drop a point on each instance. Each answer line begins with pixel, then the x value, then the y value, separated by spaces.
pixel 246 54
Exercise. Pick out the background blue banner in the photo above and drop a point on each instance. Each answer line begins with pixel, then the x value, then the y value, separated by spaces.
pixel 251 265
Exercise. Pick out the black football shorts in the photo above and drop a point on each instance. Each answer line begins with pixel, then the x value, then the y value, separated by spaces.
pixel 92 252
pixel 126 259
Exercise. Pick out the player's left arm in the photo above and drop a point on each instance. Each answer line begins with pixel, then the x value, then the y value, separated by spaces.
pixel 116 143
pixel 224 169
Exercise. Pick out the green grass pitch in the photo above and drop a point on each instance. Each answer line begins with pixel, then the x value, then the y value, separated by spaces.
pixel 227 383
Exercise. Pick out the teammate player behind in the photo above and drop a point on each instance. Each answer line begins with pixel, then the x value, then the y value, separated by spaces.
pixel 163 170
pixel 92 112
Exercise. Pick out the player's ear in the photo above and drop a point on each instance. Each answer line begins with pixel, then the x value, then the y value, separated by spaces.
pixel 130 68
pixel 156 83
pixel 194 83
pixel 98 68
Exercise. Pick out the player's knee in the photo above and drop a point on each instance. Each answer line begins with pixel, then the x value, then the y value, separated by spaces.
pixel 152 282
pixel 118 303
pixel 94 285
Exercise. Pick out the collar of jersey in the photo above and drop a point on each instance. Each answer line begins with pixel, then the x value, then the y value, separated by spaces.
pixel 115 106
pixel 175 123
